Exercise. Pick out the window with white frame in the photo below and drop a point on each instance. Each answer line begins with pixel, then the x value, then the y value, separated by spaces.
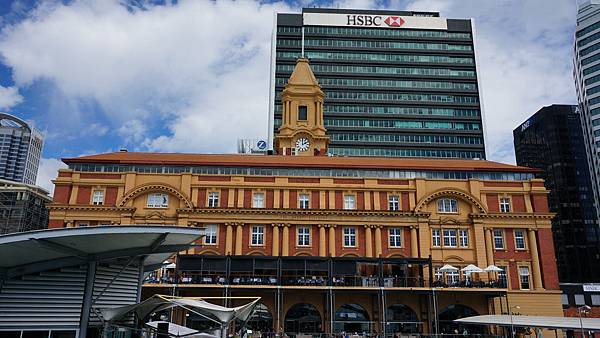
pixel 258 200
pixel 210 234
pixel 213 199
pixel 304 201
pixel 439 276
pixel 453 276
pixel 350 237
pixel 98 197
pixel 303 235
pixel 524 277
pixel 579 299
pixel 503 276
pixel 447 205
pixel 158 200
pixel 504 204
pixel 349 202
pixel 394 203
pixel 519 239
pixel 258 235
pixel 436 237
pixel 463 235
pixel 450 237
pixel 498 239
pixel 395 237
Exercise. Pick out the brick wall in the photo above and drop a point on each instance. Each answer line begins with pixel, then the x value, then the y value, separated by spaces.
pixel 492 202
pixel 547 259
pixel 62 194
pixel 83 195
pixel 518 203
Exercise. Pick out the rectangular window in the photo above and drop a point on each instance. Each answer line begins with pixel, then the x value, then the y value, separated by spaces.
pixel 504 204
pixel 349 202
pixel 395 237
pixel 435 237
pixel 439 276
pixel 502 276
pixel 302 113
pixel 447 205
pixel 213 199
pixel 98 197
pixel 450 237
pixel 498 239
pixel 520 239
pixel 303 236
pixel 258 235
pixel 595 300
pixel 258 200
pixel 210 234
pixel 158 200
pixel 464 238
pixel 524 277
pixel 453 277
pixel 349 237
pixel 564 299
pixel 579 299
pixel 304 201
pixel 394 203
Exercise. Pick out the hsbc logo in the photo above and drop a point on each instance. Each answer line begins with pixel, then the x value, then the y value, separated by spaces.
pixel 373 20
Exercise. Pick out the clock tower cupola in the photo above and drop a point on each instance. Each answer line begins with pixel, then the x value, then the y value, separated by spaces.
pixel 302 131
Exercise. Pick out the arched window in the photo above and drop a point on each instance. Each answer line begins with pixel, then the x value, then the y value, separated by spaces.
pixel 352 318
pixel 261 320
pixel 302 318
pixel 401 319
pixel 447 206
pixel 457 311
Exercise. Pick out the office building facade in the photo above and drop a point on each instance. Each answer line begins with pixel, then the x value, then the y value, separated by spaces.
pixel 22 207
pixel 552 140
pixel 20 150
pixel 586 74
pixel 397 83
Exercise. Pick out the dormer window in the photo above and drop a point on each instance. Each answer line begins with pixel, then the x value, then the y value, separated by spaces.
pixel 302 113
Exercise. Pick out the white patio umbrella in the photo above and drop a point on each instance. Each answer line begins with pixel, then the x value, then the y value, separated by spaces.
pixel 447 268
pixel 471 268
pixel 492 268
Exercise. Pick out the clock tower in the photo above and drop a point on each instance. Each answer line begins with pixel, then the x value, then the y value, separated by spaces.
pixel 302 131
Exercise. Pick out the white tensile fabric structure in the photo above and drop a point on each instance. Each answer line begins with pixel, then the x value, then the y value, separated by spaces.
pixel 217 313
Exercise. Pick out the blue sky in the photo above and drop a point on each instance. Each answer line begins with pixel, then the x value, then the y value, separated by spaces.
pixel 193 76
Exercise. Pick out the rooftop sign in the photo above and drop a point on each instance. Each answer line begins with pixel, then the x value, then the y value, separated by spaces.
pixel 374 21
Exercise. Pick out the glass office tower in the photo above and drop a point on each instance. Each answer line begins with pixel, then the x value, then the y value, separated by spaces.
pixel 396 83
pixel 20 150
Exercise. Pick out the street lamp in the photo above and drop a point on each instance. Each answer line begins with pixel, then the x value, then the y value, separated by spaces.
pixel 582 309
pixel 512 327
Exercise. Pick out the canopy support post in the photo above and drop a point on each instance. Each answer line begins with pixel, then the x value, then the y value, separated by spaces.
pixel 87 299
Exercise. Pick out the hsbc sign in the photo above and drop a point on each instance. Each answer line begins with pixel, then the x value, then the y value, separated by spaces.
pixel 378 21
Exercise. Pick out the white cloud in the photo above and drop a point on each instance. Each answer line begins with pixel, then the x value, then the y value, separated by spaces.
pixel 47 172
pixel 9 97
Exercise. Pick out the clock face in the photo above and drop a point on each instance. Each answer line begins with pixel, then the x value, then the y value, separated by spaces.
pixel 302 144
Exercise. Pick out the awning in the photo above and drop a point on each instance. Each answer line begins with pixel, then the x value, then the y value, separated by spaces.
pixel 158 303
pixel 573 323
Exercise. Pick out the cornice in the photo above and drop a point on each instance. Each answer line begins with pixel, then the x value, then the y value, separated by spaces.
pixel 104 208
pixel 308 212
pixel 512 215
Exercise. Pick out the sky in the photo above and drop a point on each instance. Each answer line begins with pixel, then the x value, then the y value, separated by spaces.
pixel 193 76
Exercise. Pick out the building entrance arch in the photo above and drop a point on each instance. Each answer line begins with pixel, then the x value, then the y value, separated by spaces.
pixel 401 318
pixel 456 311
pixel 261 320
pixel 303 318
pixel 352 318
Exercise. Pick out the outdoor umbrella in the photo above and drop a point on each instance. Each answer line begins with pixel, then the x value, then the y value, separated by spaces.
pixel 492 268
pixel 447 268
pixel 471 268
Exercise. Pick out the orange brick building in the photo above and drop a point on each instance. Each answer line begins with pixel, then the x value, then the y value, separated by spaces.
pixel 332 244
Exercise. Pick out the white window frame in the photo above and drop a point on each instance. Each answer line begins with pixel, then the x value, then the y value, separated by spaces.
pixel 349 202
pixel 452 277
pixel 395 235
pixel 439 276
pixel 450 238
pixel 497 237
pixel 257 237
pixel 504 204
pixel 304 201
pixel 503 274
pixel 524 277
pixel 436 238
pixel 447 206
pixel 211 234
pixel 258 200
pixel 154 200
pixel 463 238
pixel 98 197
pixel 520 243
pixel 213 199
pixel 349 237
pixel 393 202
pixel 303 235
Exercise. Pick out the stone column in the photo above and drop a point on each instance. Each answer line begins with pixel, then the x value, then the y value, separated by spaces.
pixel 332 240
pixel 275 251
pixel 368 242
pixel 229 239
pixel 322 241
pixel 489 246
pixel 378 251
pixel 414 245
pixel 537 273
pixel 238 239
pixel 285 247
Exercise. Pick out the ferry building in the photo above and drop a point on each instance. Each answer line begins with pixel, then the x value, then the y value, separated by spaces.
pixel 331 244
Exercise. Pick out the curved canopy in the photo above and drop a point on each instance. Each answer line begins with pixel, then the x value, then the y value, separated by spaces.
pixel 572 323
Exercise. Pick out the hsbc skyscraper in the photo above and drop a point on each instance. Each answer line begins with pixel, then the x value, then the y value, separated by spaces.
pixel 400 84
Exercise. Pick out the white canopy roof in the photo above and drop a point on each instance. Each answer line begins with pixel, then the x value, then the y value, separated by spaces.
pixel 157 303
pixel 181 331
pixel 592 324
pixel 447 268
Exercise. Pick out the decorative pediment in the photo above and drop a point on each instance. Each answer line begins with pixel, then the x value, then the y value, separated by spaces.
pixel 155 187
pixel 462 195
